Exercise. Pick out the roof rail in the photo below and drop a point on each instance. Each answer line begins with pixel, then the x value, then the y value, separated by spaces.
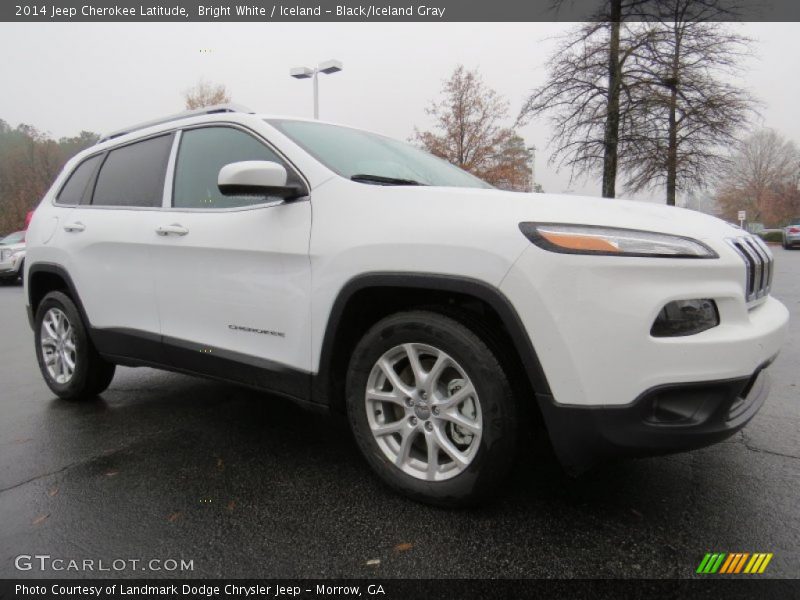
pixel 206 110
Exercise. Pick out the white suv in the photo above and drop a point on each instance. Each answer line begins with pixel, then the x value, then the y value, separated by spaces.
pixel 355 273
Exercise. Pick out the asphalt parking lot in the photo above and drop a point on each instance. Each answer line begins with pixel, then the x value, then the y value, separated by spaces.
pixel 164 466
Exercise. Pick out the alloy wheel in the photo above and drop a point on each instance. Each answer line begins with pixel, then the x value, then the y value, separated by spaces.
pixel 57 340
pixel 423 411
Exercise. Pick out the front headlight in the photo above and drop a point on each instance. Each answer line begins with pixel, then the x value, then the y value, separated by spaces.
pixel 612 241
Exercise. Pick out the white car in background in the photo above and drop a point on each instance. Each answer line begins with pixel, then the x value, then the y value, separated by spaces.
pixel 12 257
pixel 791 235
pixel 443 316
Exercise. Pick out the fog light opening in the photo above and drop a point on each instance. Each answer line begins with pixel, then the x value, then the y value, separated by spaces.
pixel 685 317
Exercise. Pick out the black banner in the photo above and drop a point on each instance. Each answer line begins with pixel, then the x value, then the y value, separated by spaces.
pixel 396 589
pixel 374 10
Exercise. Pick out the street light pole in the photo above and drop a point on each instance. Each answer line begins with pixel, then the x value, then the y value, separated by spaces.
pixel 328 67
pixel 532 150
pixel 316 93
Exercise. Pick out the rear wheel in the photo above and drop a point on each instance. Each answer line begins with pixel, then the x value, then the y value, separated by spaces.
pixel 69 363
pixel 431 409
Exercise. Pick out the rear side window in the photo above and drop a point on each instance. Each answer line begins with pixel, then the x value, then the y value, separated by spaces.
pixel 202 154
pixel 72 192
pixel 133 175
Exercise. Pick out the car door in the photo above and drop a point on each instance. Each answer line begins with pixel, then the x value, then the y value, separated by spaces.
pixel 106 237
pixel 232 272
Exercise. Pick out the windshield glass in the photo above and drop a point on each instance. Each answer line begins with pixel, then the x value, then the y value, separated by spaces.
pixel 13 238
pixel 351 152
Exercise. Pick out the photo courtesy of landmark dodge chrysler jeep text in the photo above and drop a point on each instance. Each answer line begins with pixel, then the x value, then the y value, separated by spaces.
pixel 349 271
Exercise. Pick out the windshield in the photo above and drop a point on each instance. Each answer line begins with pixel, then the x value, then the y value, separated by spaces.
pixel 13 238
pixel 372 158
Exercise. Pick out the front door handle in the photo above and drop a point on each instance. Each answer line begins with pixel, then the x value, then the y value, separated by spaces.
pixel 174 229
pixel 74 227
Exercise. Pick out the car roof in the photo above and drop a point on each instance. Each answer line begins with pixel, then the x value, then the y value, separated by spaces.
pixel 212 112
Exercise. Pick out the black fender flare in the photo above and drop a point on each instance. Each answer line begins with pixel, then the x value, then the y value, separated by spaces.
pixel 54 269
pixel 438 282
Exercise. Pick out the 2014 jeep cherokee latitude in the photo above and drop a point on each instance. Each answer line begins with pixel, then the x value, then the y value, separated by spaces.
pixel 353 272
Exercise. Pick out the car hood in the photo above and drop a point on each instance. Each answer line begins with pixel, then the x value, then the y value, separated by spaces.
pixel 19 246
pixel 487 206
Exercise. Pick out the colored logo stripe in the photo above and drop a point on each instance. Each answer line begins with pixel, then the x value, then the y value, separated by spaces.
pixel 711 563
pixel 727 564
pixel 720 562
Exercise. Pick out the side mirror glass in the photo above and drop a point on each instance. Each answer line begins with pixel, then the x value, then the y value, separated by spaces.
pixel 257 178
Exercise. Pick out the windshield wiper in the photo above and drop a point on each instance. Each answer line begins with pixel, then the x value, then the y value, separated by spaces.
pixel 381 180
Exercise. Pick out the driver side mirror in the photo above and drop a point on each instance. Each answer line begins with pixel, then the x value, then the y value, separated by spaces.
pixel 257 178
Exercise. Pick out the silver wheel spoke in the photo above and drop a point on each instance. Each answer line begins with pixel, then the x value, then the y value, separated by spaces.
pixel 62 326
pixel 457 418
pixel 447 446
pixel 378 396
pixel 457 398
pixel 433 457
pixel 68 361
pixel 394 378
pixel 50 329
pixel 442 361
pixel 405 447
pixel 389 428
pixel 416 367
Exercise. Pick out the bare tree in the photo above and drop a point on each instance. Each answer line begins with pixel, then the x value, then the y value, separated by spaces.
pixel 586 90
pixel 629 86
pixel 685 109
pixel 587 98
pixel 469 132
pixel 762 178
pixel 205 94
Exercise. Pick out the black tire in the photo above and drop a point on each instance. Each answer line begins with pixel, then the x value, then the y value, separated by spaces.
pixel 92 374
pixel 496 449
pixel 21 277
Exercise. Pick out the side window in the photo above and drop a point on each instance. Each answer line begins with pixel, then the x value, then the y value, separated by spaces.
pixel 202 154
pixel 72 192
pixel 133 175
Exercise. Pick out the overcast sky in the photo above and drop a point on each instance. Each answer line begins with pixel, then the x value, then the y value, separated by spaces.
pixel 66 77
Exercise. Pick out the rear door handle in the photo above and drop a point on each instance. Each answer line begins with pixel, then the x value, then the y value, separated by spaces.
pixel 74 227
pixel 174 229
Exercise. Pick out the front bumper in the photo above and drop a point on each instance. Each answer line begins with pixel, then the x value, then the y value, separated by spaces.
pixel 10 267
pixel 589 320
pixel 8 272
pixel 663 420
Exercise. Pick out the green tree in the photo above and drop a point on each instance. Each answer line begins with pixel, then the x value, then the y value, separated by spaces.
pixel 29 163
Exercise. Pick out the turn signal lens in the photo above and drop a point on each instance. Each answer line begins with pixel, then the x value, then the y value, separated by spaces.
pixel 612 241
pixel 579 242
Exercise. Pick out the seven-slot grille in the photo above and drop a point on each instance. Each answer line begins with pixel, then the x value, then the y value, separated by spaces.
pixel 759 263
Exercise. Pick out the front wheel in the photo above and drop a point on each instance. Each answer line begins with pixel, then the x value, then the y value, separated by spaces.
pixel 431 409
pixel 69 363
